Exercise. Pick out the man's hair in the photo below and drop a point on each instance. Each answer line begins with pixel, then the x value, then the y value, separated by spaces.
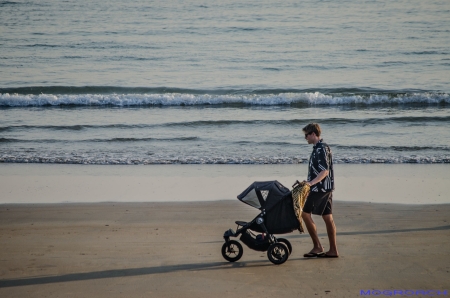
pixel 313 127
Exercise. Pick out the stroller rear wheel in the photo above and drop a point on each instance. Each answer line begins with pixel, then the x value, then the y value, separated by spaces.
pixel 232 251
pixel 287 243
pixel 278 253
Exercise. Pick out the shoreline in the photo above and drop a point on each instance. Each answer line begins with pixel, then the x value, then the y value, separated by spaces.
pixel 169 203
pixel 49 183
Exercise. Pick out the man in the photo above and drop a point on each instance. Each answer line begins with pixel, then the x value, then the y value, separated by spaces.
pixel 319 201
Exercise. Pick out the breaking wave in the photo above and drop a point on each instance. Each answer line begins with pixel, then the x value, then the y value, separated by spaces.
pixel 444 159
pixel 111 96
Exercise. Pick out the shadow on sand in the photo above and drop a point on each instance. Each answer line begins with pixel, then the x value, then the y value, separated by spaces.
pixel 128 273
pixel 173 268
pixel 441 228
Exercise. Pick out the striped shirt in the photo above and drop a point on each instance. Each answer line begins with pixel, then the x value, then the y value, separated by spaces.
pixel 321 160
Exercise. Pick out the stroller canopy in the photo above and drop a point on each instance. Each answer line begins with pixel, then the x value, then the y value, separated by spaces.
pixel 263 195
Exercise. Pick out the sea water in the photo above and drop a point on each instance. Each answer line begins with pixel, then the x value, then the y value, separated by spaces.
pixel 223 82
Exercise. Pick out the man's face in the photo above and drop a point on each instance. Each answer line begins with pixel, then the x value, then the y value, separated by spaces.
pixel 309 137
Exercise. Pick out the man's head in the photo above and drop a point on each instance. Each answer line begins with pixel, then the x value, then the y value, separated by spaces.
pixel 312 133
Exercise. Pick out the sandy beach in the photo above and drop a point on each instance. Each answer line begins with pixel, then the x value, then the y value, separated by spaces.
pixel 96 231
pixel 173 250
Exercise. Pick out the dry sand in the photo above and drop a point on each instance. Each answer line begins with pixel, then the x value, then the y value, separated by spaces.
pixel 173 250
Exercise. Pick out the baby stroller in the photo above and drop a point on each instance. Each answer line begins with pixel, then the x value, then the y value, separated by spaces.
pixel 277 217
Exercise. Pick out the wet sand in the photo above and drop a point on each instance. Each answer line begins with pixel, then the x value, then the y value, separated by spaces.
pixel 172 249
pixel 59 183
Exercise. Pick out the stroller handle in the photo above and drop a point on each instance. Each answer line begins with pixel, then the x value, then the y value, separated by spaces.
pixel 296 183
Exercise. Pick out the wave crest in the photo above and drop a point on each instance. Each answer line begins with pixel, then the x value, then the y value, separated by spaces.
pixel 187 99
pixel 444 159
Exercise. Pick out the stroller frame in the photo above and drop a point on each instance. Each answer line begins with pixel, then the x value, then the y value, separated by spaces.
pixel 278 249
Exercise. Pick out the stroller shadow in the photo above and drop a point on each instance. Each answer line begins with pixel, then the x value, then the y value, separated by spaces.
pixel 185 267
pixel 125 273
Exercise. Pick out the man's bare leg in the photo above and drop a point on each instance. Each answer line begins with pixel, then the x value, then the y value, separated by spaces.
pixel 312 230
pixel 331 231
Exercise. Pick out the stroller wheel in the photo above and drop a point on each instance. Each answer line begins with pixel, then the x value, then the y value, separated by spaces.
pixel 232 251
pixel 278 253
pixel 287 243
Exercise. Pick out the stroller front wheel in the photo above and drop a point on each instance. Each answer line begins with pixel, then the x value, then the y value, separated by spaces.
pixel 232 251
pixel 278 253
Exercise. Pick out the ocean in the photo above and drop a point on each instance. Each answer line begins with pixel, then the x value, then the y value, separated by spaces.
pixel 223 82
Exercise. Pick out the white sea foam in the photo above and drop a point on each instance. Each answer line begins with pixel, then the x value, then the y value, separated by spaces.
pixel 179 99
pixel 101 160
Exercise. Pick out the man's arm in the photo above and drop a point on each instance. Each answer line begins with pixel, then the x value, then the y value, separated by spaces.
pixel 319 178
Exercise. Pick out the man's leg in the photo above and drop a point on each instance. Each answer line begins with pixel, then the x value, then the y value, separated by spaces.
pixel 331 231
pixel 312 230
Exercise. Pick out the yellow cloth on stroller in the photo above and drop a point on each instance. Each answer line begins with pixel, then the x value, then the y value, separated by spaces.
pixel 299 195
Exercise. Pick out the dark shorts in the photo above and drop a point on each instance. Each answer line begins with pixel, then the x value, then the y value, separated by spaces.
pixel 319 203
